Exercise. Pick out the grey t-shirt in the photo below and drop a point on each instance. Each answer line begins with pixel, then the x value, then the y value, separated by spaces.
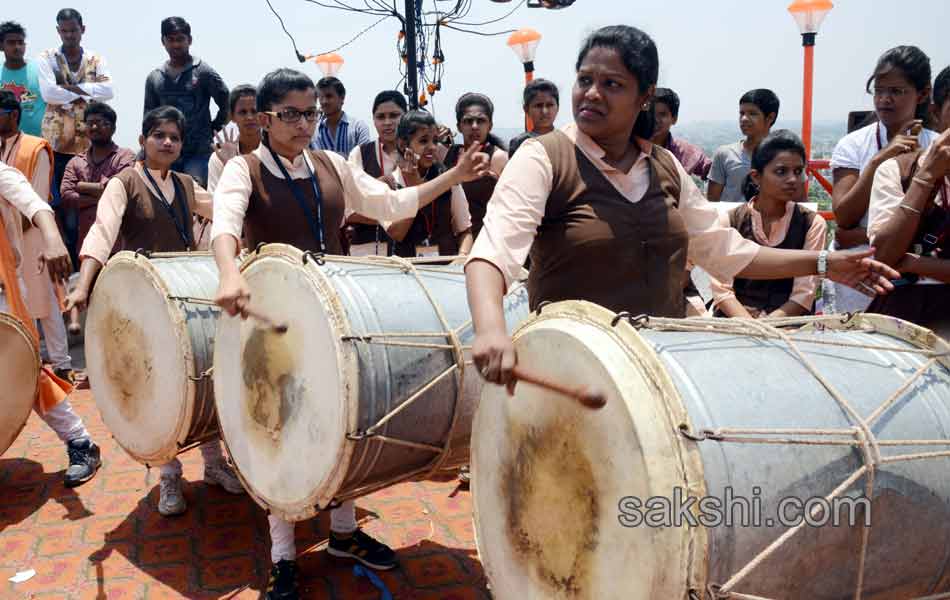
pixel 730 165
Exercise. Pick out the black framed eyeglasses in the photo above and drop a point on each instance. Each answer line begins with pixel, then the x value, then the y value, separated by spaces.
pixel 292 115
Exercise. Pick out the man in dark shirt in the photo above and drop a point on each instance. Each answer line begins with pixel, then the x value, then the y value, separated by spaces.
pixel 188 84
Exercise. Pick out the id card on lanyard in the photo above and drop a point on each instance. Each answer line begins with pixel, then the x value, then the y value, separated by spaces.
pixel 314 219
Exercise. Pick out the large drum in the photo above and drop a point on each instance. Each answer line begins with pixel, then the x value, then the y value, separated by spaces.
pixel 149 348
pixel 369 385
pixel 734 459
pixel 19 372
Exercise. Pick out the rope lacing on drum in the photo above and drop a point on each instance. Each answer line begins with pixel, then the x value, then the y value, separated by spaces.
pixel 859 435
pixel 414 267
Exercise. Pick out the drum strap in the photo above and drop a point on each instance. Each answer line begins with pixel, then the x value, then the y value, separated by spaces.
pixel 314 220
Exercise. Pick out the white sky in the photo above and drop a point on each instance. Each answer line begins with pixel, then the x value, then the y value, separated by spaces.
pixel 710 51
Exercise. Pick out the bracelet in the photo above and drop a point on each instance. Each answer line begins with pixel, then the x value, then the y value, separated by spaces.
pixel 822 263
pixel 923 182
pixel 910 208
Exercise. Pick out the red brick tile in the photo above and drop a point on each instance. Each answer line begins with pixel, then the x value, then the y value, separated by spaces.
pixel 61 573
pixel 132 483
pixel 227 541
pixel 20 515
pixel 236 511
pixel 20 471
pixel 169 581
pixel 32 494
pixel 109 529
pixel 114 589
pixel 112 560
pixel 58 539
pixel 16 547
pixel 155 524
pixel 228 572
pixel 165 550
pixel 433 570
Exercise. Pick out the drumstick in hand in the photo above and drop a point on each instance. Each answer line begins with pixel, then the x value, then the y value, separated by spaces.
pixel 264 319
pixel 588 396
pixel 74 327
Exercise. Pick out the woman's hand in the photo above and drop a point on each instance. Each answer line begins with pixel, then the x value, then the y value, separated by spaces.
pixel 226 145
pixel 495 357
pixel 408 163
pixel 903 143
pixel 472 164
pixel 233 294
pixel 858 270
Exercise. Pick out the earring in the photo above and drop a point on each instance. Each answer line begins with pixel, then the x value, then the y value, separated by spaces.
pixel 646 106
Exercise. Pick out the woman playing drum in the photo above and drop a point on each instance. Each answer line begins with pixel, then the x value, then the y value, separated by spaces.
pixel 610 218
pixel 282 193
pixel 149 206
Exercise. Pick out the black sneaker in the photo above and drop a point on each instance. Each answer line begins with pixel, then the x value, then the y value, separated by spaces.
pixel 67 375
pixel 83 462
pixel 363 548
pixel 283 581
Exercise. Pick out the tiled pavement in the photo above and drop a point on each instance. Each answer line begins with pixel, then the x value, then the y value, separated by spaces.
pixel 106 541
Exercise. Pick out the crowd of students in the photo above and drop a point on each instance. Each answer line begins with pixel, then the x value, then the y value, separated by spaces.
pixel 611 208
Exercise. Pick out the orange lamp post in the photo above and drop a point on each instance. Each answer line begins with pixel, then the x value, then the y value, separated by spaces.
pixel 524 43
pixel 330 64
pixel 809 14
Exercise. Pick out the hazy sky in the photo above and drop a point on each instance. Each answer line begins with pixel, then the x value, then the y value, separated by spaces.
pixel 710 51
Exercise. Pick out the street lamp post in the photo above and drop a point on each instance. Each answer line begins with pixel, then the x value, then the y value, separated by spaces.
pixel 524 43
pixel 809 14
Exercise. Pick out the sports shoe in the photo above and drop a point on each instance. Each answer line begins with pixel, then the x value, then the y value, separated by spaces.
pixel 67 375
pixel 171 501
pixel 283 581
pixel 465 477
pixel 221 473
pixel 360 546
pixel 84 461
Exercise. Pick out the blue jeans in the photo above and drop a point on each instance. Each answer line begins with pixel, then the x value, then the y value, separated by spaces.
pixel 195 165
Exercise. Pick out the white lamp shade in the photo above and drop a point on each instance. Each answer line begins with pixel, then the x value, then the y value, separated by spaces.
pixel 524 43
pixel 809 14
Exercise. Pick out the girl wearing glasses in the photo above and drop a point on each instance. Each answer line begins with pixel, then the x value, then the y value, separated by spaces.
pixel 900 87
pixel 149 206
pixel 283 192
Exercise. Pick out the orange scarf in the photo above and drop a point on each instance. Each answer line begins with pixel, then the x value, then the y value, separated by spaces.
pixel 51 389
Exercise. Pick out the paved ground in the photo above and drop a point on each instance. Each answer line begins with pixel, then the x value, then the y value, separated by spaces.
pixel 106 541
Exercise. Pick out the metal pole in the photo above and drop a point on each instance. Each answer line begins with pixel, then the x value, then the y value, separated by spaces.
pixel 412 64
pixel 808 42
pixel 528 78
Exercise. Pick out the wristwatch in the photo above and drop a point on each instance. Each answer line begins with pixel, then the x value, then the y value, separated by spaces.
pixel 823 263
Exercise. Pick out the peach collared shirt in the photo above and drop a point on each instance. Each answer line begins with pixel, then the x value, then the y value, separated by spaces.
pixel 111 208
pixel 518 204
pixel 803 288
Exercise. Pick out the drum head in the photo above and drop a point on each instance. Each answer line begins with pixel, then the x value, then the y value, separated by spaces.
pixel 281 398
pixel 139 358
pixel 549 474
pixel 19 371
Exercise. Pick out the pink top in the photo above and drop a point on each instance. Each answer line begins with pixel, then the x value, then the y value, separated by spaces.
pixel 105 231
pixel 803 288
pixel 517 207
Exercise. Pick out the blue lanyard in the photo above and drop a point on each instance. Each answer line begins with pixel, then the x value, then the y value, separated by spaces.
pixel 315 221
pixel 183 232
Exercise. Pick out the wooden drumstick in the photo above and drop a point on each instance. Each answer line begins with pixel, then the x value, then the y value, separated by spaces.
pixel 586 395
pixel 264 319
pixel 74 327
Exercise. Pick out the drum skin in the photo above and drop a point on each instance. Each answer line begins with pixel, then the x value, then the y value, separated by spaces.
pixel 550 476
pixel 19 372
pixel 147 349
pixel 365 336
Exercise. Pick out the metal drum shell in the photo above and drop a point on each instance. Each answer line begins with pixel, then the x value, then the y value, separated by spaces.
pixel 372 379
pixel 653 391
pixel 175 277
pixel 19 370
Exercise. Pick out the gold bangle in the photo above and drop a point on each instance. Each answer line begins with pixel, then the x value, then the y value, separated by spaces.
pixel 911 209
